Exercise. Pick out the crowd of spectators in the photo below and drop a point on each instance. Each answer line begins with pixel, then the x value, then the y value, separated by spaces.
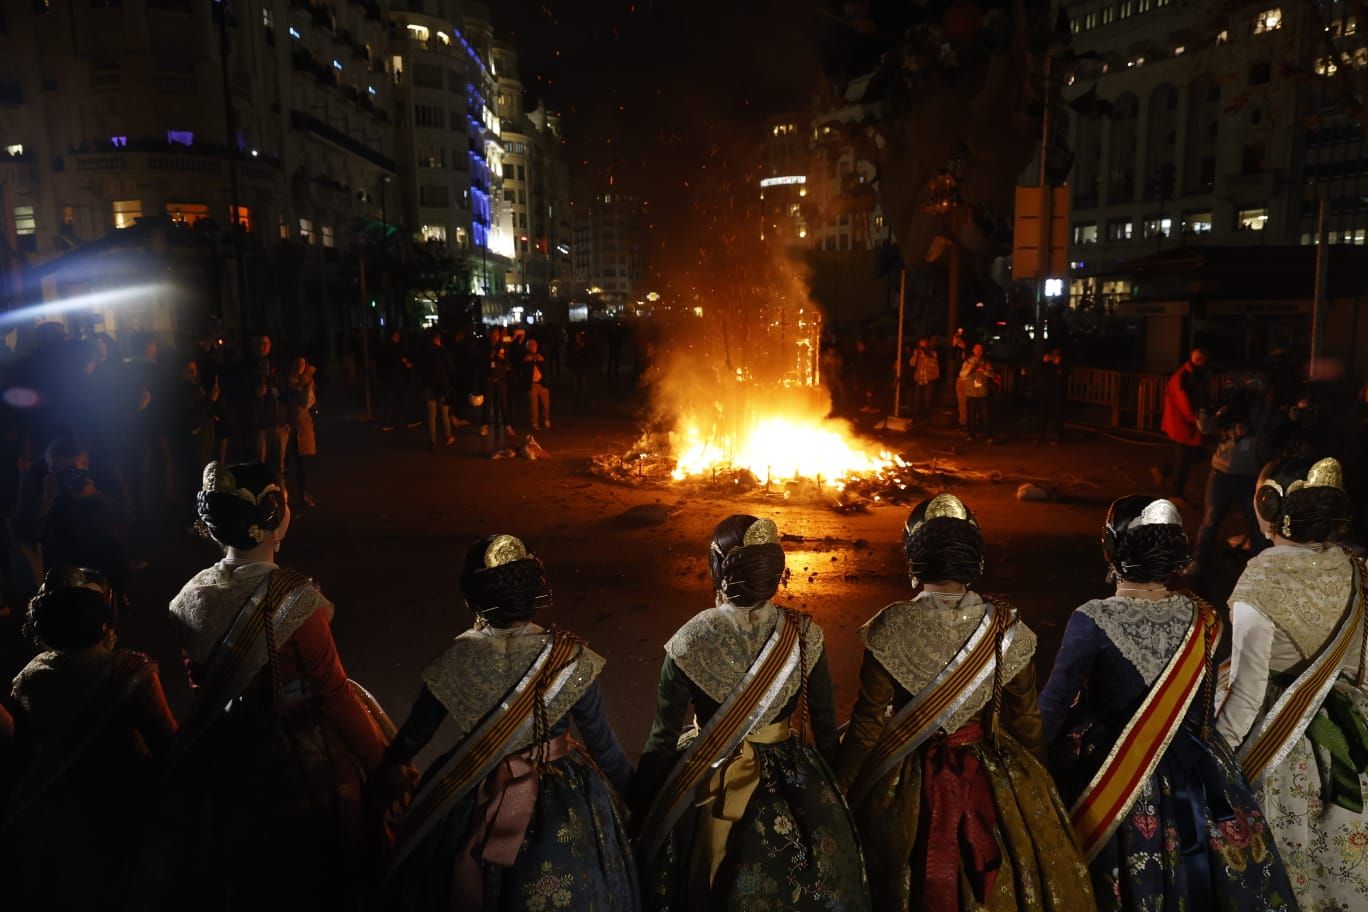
pixel 102 442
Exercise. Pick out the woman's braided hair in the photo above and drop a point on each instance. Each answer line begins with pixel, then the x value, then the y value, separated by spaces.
pixel 1143 540
pixel 943 548
pixel 746 574
pixel 508 593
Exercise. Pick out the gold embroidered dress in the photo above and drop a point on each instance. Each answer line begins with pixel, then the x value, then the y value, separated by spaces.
pixel 1012 848
pixel 1287 604
pixel 789 843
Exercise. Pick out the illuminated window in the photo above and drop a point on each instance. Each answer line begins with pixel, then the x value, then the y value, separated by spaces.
pixel 1125 8
pixel 1143 6
pixel 418 32
pixel 127 213
pixel 186 214
pixel 434 233
pixel 1197 222
pixel 1325 66
pixel 119 142
pixel 444 38
pixel 328 239
pixel 306 231
pixel 1158 227
pixel 25 222
pixel 180 137
pixel 1120 229
pixel 284 228
pixel 1268 20
pixel 1179 50
pixel 243 219
pixel 1085 233
pixel 266 18
pixel 1252 219
pixel 1223 36
pixel 1108 14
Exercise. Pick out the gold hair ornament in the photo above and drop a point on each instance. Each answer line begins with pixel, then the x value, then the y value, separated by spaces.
pixel 504 549
pixel 761 532
pixel 942 506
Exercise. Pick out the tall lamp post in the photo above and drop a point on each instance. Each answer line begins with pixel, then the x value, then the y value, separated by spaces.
pixel 946 202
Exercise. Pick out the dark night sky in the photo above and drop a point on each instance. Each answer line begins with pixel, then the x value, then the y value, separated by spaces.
pixel 649 89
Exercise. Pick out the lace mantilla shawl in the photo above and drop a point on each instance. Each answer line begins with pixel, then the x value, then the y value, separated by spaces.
pixel 715 648
pixel 1304 591
pixel 1145 633
pixel 209 603
pixel 55 686
pixel 483 664
pixel 914 640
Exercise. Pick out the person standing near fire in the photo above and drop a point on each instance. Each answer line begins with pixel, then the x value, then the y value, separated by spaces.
pixel 538 393
pixel 978 378
pixel 925 363
pixel 959 353
pixel 1186 398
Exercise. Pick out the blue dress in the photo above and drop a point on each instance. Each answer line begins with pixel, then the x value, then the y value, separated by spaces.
pixel 1195 838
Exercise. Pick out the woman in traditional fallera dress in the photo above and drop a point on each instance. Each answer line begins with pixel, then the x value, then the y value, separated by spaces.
pixel 96 725
pixel 954 809
pixel 744 814
pixel 271 765
pixel 1184 831
pixel 1297 712
pixel 516 815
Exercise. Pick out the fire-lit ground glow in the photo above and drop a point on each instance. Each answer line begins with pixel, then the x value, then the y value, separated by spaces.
pixel 780 448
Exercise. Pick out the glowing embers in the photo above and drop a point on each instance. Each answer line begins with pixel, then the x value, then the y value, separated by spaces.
pixel 776 448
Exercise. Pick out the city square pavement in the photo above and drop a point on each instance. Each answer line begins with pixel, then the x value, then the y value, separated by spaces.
pixel 628 564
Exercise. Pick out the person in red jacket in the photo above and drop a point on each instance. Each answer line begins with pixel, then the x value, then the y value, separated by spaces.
pixel 1185 401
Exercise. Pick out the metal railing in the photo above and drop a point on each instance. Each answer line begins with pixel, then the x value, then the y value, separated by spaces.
pixel 1134 399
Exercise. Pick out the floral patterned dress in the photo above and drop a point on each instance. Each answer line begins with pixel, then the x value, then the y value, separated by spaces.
pixel 794 845
pixel 1195 838
pixel 1286 605
pixel 575 855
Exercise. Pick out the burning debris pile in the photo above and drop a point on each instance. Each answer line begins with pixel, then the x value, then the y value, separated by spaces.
pixel 887 478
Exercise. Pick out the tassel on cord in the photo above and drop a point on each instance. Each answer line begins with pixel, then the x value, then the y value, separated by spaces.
pixel 1005 616
pixel 1209 675
pixel 804 713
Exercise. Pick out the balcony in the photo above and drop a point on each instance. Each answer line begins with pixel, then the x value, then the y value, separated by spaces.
pixel 305 122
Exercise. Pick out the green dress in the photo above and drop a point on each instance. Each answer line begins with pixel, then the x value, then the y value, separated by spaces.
pixel 794 846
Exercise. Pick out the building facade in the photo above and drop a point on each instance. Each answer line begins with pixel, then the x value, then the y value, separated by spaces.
pixel 607 250
pixel 1207 127
pixel 251 149
pixel 117 117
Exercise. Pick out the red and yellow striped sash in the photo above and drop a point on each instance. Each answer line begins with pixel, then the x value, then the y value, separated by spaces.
pixel 927 713
pixel 491 745
pixel 718 738
pixel 1113 790
pixel 1287 720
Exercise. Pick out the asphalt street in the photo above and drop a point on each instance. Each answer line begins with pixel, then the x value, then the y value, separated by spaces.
pixel 628 563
